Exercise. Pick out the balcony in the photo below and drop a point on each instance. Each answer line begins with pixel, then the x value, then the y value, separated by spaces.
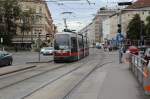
pixel 27 38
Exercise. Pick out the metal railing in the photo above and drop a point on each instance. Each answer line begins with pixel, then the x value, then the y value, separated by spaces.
pixel 141 69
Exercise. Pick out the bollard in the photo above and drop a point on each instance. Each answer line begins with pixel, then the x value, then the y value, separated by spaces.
pixel 146 83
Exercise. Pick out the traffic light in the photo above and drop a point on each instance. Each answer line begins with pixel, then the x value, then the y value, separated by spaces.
pixel 119 28
pixel 124 3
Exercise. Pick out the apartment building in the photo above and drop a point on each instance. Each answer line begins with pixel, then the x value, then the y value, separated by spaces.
pixel 89 32
pixel 141 7
pixel 42 26
pixel 101 15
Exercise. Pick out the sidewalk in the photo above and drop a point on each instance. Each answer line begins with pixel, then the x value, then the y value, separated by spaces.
pixel 12 69
pixel 119 82
pixel 111 81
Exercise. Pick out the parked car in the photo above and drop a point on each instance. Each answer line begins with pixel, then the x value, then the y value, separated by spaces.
pixel 98 45
pixel 47 51
pixel 134 50
pixel 5 58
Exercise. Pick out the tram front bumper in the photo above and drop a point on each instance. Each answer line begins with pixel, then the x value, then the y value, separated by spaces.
pixel 67 58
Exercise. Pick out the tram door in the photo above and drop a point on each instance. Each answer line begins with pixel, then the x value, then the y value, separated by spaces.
pixel 74 47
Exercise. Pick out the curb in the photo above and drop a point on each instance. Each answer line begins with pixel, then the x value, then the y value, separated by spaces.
pixel 16 70
pixel 40 62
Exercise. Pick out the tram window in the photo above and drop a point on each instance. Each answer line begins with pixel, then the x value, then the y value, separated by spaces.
pixel 80 43
pixel 61 42
pixel 73 44
pixel 85 43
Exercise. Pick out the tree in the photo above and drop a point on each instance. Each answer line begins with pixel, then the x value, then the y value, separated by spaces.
pixel 136 28
pixel 27 20
pixel 148 26
pixel 9 13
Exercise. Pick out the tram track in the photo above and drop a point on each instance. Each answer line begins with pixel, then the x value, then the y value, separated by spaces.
pixel 49 70
pixel 66 96
pixel 99 65
pixel 20 72
pixel 84 61
pixel 54 80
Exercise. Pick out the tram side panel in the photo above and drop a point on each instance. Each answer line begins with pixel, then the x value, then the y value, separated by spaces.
pixel 81 47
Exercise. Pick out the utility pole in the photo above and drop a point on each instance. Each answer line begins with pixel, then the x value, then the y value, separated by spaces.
pixel 141 33
pixel 38 43
pixel 65 23
pixel 39 46
pixel 119 35
pixel 1 41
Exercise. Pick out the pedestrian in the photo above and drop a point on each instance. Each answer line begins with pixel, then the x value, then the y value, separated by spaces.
pixel 120 54
pixel 105 47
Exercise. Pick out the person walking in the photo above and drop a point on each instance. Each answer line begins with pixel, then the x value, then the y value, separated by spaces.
pixel 121 54
pixel 105 47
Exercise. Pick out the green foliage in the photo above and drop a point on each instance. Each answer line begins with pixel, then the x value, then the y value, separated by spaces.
pixel 148 26
pixel 136 28
pixel 9 13
pixel 27 18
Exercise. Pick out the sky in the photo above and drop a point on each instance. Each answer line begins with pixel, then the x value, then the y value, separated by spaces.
pixel 78 13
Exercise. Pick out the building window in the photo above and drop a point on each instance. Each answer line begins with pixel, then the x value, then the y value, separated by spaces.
pixel 1 19
pixel 143 13
pixel 40 10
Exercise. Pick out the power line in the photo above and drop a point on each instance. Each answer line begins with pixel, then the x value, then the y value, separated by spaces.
pixel 60 2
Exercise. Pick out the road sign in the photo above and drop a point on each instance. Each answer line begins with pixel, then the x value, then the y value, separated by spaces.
pixel 119 38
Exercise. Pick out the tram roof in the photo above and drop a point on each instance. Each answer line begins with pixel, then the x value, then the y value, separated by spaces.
pixel 65 33
pixel 70 33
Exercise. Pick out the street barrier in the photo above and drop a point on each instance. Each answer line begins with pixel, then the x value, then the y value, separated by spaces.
pixel 141 70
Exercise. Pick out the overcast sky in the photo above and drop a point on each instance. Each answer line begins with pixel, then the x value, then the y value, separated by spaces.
pixel 81 12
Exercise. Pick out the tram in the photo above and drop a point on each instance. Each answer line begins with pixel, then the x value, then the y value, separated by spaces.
pixel 70 46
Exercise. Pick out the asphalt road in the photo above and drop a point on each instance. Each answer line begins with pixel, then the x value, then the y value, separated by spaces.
pixel 109 80
pixel 20 85
pixel 20 58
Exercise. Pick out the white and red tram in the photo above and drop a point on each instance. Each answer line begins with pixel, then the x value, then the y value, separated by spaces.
pixel 70 46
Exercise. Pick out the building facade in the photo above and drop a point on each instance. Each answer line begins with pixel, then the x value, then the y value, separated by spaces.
pixel 89 32
pixel 141 7
pixel 41 24
pixel 106 29
pixel 94 30
pixel 101 15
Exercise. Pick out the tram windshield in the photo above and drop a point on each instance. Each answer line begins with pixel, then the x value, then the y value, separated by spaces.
pixel 61 42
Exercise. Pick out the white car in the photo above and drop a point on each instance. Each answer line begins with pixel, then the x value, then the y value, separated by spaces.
pixel 47 51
